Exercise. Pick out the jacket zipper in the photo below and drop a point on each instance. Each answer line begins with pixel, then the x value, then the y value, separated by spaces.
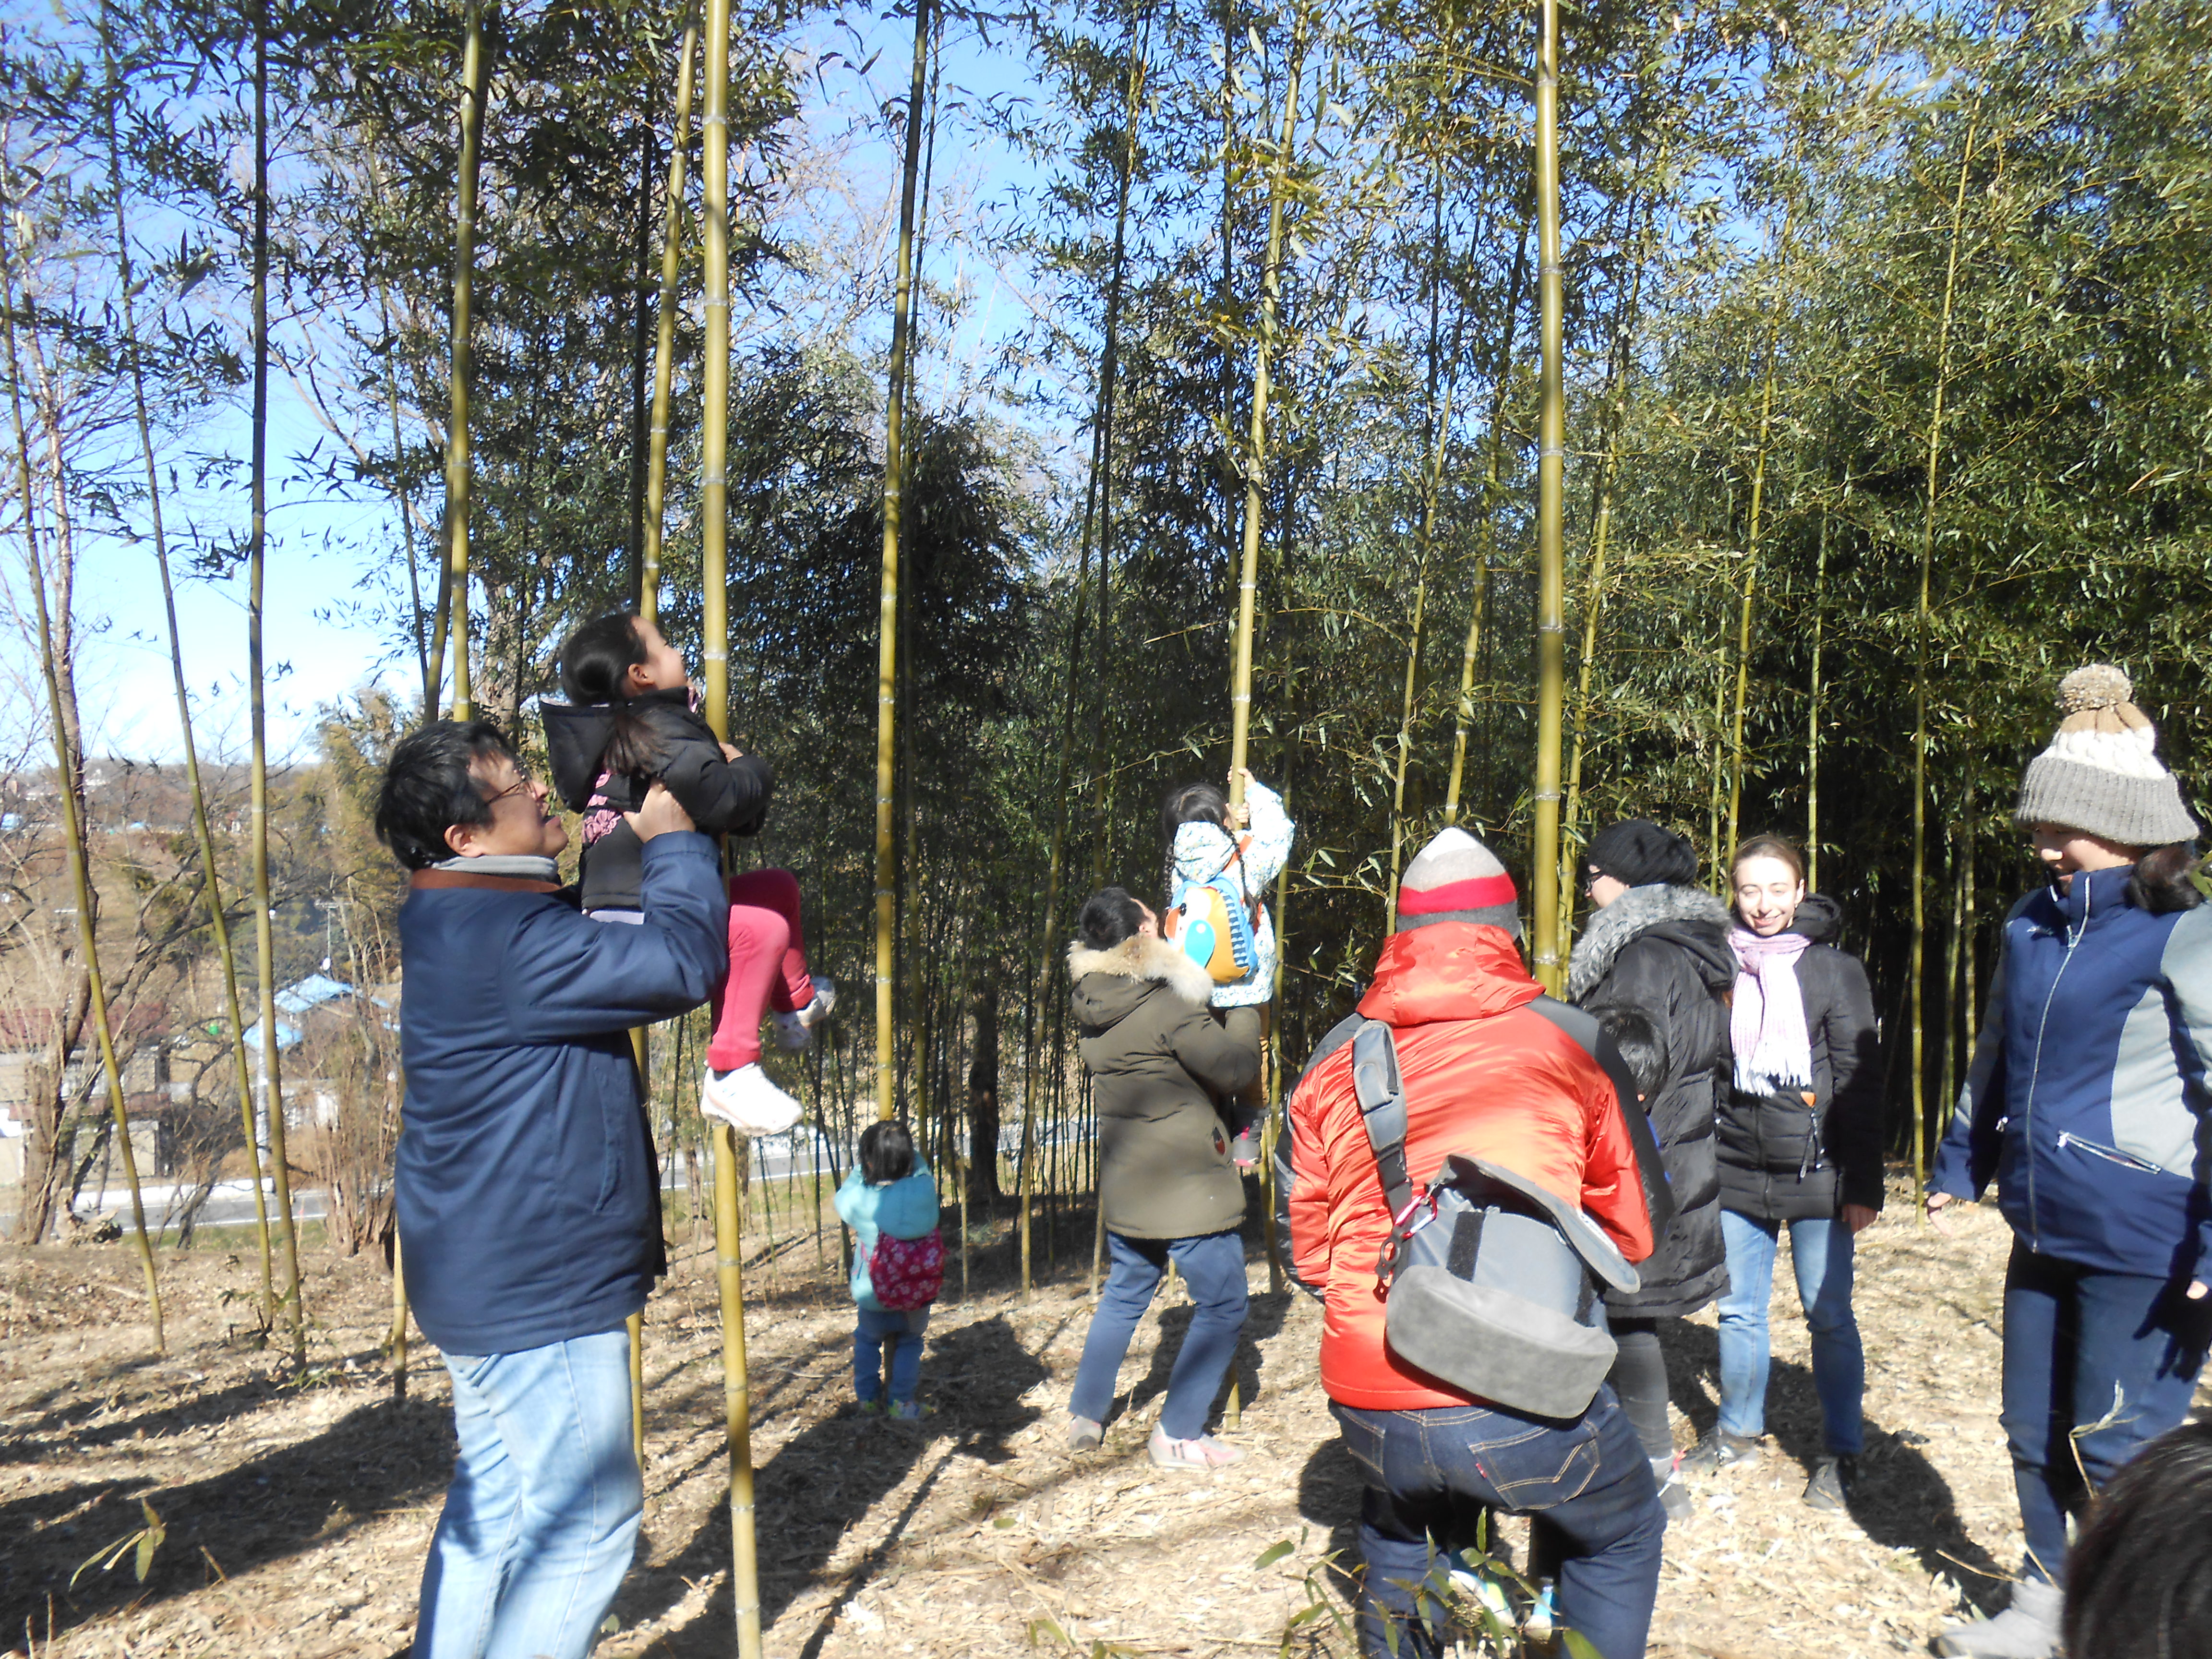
pixel 2035 1071
pixel 2111 1154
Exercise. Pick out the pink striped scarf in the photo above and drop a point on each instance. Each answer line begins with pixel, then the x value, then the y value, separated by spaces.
pixel 1766 1021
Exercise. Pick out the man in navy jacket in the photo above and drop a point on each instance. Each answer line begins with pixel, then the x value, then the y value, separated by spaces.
pixel 528 1212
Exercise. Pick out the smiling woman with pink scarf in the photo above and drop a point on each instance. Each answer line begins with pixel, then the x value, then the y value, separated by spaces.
pixel 1799 1147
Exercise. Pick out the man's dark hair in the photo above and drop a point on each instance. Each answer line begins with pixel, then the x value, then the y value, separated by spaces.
pixel 886 1151
pixel 2139 1582
pixel 1642 1050
pixel 428 788
pixel 1109 915
pixel 596 661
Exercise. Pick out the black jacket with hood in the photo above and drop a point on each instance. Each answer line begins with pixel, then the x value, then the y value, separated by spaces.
pixel 1783 1157
pixel 1158 1060
pixel 1663 950
pixel 724 796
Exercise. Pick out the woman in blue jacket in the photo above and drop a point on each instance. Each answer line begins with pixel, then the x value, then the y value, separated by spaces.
pixel 2087 1100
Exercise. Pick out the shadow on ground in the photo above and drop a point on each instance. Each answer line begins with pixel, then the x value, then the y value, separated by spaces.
pixel 295 1497
pixel 828 1477
pixel 1901 1501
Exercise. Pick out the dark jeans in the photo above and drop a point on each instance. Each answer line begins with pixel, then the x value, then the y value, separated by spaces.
pixel 1587 1482
pixel 1639 1377
pixel 1213 1265
pixel 2120 1350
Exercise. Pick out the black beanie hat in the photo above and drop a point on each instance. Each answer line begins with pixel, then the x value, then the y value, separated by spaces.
pixel 1638 852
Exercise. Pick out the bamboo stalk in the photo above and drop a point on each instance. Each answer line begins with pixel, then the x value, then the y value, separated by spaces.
pixel 1618 356
pixel 888 604
pixel 1921 623
pixel 1094 509
pixel 1255 457
pixel 272 1080
pixel 1551 506
pixel 1753 526
pixel 453 589
pixel 648 531
pixel 407 526
pixel 664 348
pixel 1431 487
pixel 66 782
pixel 1812 719
pixel 1501 361
pixel 218 921
pixel 1971 1012
pixel 395 1341
pixel 729 1156
pixel 1951 1051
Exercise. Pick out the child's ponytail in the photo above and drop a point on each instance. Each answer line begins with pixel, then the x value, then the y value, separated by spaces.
pixel 634 747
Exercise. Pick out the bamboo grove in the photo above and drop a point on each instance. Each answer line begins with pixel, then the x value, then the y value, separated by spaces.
pixel 1522 418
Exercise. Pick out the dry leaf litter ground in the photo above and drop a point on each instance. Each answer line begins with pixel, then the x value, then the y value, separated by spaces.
pixel 295 1509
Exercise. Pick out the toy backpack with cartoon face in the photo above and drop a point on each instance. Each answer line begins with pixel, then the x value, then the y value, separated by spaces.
pixel 1211 923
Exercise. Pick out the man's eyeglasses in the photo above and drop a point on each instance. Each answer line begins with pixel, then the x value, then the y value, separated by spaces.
pixel 521 786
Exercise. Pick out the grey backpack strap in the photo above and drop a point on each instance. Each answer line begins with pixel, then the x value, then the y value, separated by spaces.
pixel 1381 1095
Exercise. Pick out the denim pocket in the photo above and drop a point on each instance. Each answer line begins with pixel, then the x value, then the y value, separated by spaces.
pixel 1364 1442
pixel 1534 1467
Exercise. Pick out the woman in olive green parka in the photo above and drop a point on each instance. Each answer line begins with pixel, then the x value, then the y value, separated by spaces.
pixel 1158 1059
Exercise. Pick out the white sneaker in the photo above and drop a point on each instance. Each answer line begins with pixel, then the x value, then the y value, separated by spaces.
pixel 747 1100
pixel 1203 1452
pixel 796 1030
pixel 2028 1629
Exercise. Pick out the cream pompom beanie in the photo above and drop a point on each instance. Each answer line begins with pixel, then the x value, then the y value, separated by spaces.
pixel 2102 772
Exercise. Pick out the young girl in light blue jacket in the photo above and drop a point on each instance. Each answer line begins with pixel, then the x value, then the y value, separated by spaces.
pixel 1241 849
pixel 890 1196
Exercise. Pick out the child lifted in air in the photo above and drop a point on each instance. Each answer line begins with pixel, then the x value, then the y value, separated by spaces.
pixel 889 1202
pixel 631 721
pixel 1221 861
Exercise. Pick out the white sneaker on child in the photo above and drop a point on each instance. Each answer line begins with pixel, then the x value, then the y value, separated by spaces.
pixel 796 1030
pixel 747 1100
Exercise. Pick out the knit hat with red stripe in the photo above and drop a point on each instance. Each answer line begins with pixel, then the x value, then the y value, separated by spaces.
pixel 1457 878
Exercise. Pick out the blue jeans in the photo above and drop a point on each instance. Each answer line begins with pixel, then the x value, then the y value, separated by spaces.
pixel 1587 1482
pixel 543 1513
pixel 1213 1265
pixel 1820 1252
pixel 2080 1347
pixel 904 1330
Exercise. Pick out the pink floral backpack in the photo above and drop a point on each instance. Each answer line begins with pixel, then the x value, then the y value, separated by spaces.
pixel 907 1273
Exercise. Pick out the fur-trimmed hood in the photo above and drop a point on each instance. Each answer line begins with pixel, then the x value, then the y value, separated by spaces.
pixel 1690 917
pixel 1109 984
pixel 1819 918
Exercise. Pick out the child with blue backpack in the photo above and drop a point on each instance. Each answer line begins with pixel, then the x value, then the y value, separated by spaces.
pixel 889 1202
pixel 1221 861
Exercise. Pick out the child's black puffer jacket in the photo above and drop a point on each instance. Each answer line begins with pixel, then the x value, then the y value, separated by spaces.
pixel 724 796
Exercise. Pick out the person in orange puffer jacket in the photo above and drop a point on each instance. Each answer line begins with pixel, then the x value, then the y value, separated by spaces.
pixel 1486 1073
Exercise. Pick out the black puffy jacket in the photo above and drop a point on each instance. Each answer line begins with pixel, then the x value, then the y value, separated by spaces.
pixel 1664 950
pixel 724 796
pixel 1783 1157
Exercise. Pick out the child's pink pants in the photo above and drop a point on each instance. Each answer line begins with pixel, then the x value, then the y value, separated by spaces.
pixel 768 966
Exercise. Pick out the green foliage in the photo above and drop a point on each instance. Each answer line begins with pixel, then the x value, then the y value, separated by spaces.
pixel 140 1544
